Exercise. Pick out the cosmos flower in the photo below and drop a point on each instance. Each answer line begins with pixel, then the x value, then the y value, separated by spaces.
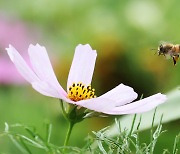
pixel 79 92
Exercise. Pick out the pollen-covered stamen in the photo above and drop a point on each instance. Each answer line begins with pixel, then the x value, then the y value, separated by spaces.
pixel 79 91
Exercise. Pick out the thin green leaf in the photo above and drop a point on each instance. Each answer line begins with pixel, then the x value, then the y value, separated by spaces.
pixel 176 141
pixel 48 132
pixel 25 146
pixel 101 147
pixel 18 145
pixel 132 126
pixel 152 125
pixel 6 129
pixel 118 124
pixel 32 142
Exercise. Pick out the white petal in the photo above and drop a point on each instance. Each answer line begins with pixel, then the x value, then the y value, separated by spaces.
pixel 43 68
pixel 41 86
pixel 106 106
pixel 47 90
pixel 140 106
pixel 82 67
pixel 97 104
pixel 21 65
pixel 120 95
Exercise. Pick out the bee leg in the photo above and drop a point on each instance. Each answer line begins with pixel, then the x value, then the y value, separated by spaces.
pixel 175 59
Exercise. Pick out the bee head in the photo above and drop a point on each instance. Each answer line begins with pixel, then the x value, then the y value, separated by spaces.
pixel 161 50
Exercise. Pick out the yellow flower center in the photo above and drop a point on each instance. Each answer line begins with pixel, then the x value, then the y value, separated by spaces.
pixel 79 91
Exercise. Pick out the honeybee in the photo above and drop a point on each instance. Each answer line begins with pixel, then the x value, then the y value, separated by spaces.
pixel 168 49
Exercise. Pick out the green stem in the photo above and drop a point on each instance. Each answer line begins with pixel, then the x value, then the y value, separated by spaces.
pixel 63 110
pixel 71 124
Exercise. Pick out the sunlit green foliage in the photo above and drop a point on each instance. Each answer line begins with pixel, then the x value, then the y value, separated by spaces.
pixel 126 141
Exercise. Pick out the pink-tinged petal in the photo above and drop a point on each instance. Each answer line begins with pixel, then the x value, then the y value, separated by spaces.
pixel 21 65
pixel 47 90
pixel 43 88
pixel 106 106
pixel 82 67
pixel 140 106
pixel 120 95
pixel 97 104
pixel 43 68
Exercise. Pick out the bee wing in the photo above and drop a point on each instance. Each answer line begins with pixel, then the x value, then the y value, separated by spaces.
pixel 166 42
pixel 168 56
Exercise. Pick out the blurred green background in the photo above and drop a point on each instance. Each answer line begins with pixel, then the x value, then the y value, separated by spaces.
pixel 123 33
